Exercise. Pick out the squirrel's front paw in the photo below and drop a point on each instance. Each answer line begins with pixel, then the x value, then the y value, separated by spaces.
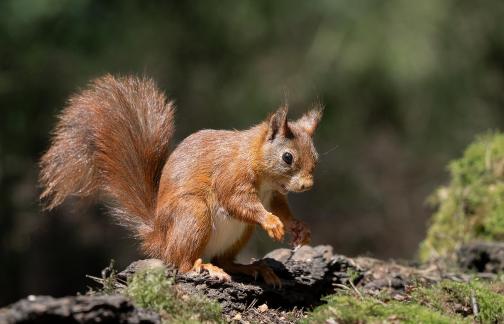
pixel 301 234
pixel 273 226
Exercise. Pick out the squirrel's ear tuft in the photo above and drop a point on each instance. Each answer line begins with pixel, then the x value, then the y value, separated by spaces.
pixel 278 125
pixel 309 121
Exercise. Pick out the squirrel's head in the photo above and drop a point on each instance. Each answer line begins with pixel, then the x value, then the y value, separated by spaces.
pixel 289 156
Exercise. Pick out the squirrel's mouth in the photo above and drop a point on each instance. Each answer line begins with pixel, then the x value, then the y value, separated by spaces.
pixel 283 189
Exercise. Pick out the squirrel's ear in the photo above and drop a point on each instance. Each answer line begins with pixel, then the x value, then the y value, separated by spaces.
pixel 278 125
pixel 309 121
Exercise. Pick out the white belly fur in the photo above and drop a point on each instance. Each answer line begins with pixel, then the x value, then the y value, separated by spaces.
pixel 227 230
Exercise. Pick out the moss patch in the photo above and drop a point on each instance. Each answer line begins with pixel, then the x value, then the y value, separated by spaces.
pixel 445 302
pixel 352 309
pixel 458 298
pixel 472 205
pixel 153 290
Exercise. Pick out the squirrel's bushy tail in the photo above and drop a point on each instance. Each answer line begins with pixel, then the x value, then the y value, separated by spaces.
pixel 111 138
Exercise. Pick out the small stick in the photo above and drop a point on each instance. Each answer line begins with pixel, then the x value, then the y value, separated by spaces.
pixel 355 289
pixel 293 251
pixel 474 303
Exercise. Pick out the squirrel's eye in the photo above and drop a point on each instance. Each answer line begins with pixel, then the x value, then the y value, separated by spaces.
pixel 287 157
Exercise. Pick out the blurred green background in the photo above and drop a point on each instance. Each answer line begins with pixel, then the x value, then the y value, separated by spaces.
pixel 406 85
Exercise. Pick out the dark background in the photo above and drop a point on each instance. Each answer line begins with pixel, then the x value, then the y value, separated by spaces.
pixel 406 85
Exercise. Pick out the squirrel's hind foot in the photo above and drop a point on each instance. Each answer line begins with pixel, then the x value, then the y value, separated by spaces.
pixel 255 269
pixel 214 271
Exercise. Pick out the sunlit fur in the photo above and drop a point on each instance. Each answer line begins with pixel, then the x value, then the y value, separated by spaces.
pixel 113 139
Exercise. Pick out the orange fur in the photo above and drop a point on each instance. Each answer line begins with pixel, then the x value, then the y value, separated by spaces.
pixel 205 198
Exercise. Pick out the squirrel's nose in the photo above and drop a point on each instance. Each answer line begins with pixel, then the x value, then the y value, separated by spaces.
pixel 307 184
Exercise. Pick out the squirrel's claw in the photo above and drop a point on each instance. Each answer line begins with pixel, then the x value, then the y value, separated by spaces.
pixel 214 271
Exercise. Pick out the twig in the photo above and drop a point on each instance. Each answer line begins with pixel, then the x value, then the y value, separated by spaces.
pixel 355 288
pixel 474 303
pixel 341 286
pixel 293 251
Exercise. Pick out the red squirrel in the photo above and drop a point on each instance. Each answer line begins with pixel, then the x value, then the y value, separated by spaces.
pixel 201 201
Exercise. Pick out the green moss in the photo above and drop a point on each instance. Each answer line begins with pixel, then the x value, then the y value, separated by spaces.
pixel 153 290
pixel 445 302
pixel 472 205
pixel 353 309
pixel 458 298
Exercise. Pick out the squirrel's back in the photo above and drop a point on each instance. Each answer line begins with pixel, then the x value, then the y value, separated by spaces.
pixel 207 158
pixel 112 139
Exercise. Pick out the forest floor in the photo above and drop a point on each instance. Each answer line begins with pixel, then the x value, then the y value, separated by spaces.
pixel 317 287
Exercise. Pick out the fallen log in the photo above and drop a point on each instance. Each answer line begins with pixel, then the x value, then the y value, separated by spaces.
pixel 307 275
